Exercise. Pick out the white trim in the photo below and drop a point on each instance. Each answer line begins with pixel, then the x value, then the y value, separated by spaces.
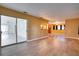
pixel 37 38
pixel 72 38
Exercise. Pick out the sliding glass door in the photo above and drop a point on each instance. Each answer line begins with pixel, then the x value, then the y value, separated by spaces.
pixel 13 30
pixel 21 30
pixel 8 30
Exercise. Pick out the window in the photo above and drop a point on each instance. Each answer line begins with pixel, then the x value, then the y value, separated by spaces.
pixel 60 27
pixel 12 30
pixel 4 28
pixel 56 27
pixel 53 27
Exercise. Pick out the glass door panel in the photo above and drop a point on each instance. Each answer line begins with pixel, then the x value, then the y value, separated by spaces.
pixel 8 29
pixel 21 30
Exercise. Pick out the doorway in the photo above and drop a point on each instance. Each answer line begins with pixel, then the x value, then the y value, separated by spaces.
pixel 13 30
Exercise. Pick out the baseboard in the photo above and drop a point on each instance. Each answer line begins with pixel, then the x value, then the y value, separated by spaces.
pixel 12 44
pixel 72 38
pixel 37 38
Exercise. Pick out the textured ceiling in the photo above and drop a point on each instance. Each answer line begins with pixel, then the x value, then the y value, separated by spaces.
pixel 50 11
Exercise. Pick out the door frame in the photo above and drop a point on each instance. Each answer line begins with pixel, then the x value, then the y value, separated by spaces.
pixel 15 31
pixel 0 30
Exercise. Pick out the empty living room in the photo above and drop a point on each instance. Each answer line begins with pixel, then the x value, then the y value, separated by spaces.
pixel 39 29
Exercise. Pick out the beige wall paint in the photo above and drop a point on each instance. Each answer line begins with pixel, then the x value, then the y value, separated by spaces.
pixel 33 22
pixel 71 28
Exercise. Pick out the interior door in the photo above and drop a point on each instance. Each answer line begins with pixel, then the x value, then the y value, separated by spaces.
pixel 21 30
pixel 8 29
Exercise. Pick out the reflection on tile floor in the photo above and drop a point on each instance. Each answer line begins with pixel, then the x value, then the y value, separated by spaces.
pixel 52 46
